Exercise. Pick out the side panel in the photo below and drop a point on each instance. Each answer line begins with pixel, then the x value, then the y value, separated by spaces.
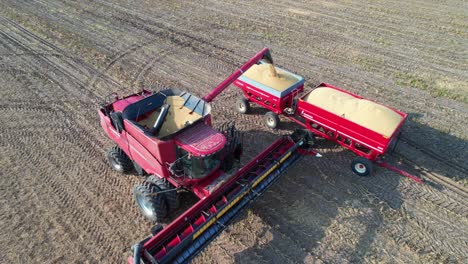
pixel 266 99
pixel 150 153
pixel 119 138
pixel 260 97
pixel 342 126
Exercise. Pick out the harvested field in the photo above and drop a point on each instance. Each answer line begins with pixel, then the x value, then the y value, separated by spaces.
pixel 61 202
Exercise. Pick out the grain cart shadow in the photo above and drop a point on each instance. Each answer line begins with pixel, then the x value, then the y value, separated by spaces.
pixel 423 151
pixel 317 209
pixel 426 149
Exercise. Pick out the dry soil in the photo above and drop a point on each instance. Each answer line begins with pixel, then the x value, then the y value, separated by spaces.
pixel 61 202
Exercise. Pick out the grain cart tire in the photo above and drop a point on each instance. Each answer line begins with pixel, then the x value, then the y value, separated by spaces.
pixel 271 119
pixel 242 105
pixel 118 160
pixel 169 191
pixel 362 166
pixel 151 203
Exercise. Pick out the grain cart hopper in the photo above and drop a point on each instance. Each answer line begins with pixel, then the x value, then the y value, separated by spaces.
pixel 367 128
pixel 168 135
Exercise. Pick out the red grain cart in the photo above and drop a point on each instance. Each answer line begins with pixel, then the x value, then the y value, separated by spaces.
pixel 275 100
pixel 368 144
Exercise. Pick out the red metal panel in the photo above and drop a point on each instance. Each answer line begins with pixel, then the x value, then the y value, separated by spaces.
pixel 201 139
pixel 149 152
pixel 260 97
pixel 120 105
pixel 346 128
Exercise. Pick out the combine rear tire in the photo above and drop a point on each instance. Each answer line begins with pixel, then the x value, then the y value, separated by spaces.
pixel 271 119
pixel 362 166
pixel 169 191
pixel 242 105
pixel 152 204
pixel 119 160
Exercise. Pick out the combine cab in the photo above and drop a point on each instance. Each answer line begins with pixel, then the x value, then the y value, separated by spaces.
pixel 168 136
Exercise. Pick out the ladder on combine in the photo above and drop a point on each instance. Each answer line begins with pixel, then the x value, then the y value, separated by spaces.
pixel 185 237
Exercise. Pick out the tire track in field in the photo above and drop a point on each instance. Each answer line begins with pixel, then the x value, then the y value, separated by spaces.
pixel 354 18
pixel 262 18
pixel 421 241
pixel 90 162
pixel 68 195
pixel 135 48
pixel 77 61
pixel 436 156
pixel 67 199
pixel 444 217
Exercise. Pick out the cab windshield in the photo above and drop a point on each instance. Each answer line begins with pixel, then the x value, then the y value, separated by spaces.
pixel 199 167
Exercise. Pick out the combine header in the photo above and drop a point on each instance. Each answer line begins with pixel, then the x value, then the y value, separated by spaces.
pixel 168 135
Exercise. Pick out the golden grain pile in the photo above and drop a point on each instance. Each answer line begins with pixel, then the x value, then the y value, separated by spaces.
pixel 177 117
pixel 271 76
pixel 373 116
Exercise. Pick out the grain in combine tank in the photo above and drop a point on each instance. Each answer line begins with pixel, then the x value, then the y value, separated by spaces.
pixel 368 114
pixel 177 118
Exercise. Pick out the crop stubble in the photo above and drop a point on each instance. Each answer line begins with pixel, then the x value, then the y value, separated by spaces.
pixel 61 202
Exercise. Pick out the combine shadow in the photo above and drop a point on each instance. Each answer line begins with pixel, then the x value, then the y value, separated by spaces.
pixel 319 195
pixel 308 211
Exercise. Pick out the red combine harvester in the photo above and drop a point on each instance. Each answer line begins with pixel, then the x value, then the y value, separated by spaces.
pixel 368 141
pixel 168 135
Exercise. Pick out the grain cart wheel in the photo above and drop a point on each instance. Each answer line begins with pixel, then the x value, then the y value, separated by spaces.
pixel 271 119
pixel 169 191
pixel 362 166
pixel 242 105
pixel 151 202
pixel 119 160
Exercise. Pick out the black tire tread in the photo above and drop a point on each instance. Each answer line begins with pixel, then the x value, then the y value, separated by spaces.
pixel 245 102
pixel 120 157
pixel 172 197
pixel 274 117
pixel 369 165
pixel 158 201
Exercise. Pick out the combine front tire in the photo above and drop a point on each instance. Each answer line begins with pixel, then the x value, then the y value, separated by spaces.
pixel 169 191
pixel 119 160
pixel 362 166
pixel 151 202
pixel 271 119
pixel 242 105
